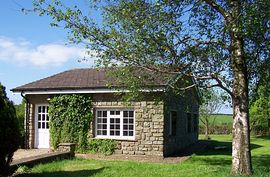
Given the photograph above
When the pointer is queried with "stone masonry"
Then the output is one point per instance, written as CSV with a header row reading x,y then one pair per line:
x,y
149,125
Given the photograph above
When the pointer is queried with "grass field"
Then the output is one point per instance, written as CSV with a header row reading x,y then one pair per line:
x,y
212,163
220,119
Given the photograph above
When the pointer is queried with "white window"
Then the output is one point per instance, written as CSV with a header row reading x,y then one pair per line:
x,y
43,117
115,124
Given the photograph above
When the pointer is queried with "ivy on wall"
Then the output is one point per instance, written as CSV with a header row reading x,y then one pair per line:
x,y
70,117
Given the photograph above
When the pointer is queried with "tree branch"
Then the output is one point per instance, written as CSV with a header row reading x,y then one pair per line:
x,y
218,8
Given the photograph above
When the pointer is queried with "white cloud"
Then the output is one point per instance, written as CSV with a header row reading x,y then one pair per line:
x,y
51,54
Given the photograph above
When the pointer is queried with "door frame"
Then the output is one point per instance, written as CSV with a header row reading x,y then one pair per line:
x,y
36,123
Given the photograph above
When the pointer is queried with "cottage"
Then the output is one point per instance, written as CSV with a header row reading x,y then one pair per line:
x,y
143,127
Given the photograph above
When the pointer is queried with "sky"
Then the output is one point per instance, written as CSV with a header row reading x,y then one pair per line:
x,y
30,49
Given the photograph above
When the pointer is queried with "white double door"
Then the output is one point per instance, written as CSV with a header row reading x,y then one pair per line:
x,y
42,134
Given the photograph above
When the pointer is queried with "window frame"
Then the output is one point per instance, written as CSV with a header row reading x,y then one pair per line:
x,y
108,136
171,124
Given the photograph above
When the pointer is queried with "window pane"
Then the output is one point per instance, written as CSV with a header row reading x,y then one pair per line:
x,y
125,133
104,126
111,112
99,113
117,113
117,133
104,113
39,117
47,125
43,125
104,121
131,113
118,120
118,126
39,125
99,132
111,126
125,113
43,116
39,109
111,120
125,127
104,132
99,126
43,109
111,132
125,120
130,133
130,127
131,121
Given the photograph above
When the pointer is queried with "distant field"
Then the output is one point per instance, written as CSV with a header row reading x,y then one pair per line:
x,y
220,119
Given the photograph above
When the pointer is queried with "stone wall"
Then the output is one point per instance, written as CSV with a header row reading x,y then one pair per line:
x,y
149,123
182,104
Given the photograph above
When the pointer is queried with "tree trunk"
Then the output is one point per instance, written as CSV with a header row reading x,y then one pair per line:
x,y
241,156
206,136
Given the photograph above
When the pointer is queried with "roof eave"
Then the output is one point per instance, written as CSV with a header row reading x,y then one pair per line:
x,y
88,90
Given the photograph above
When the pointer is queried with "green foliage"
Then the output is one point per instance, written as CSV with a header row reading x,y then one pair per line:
x,y
22,170
186,37
9,131
70,117
104,146
20,111
260,110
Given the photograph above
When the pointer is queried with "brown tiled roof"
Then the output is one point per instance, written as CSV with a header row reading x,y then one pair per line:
x,y
90,78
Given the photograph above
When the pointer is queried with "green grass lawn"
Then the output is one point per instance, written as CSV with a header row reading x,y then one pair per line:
x,y
215,163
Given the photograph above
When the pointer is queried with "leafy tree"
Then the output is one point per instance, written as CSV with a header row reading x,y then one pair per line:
x,y
211,103
260,101
260,109
218,43
9,131
20,111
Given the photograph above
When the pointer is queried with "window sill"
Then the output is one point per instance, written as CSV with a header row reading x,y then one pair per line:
x,y
116,138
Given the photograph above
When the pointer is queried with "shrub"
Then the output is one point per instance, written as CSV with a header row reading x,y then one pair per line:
x,y
70,117
104,146
9,131
20,111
